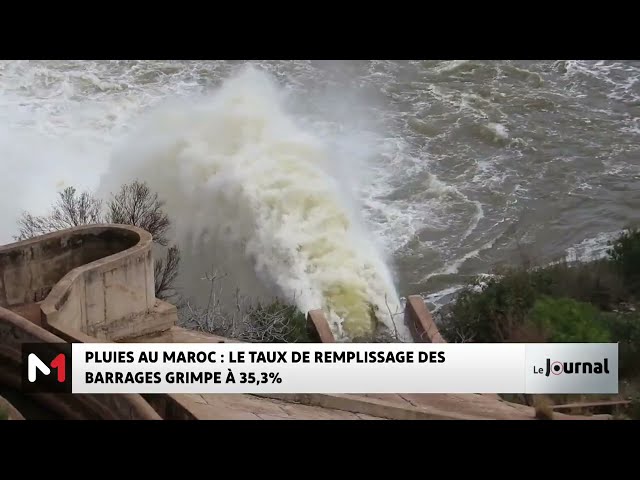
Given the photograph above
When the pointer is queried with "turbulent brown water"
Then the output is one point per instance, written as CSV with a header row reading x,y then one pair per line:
x,y
454,166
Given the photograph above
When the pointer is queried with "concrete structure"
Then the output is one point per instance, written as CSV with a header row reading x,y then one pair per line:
x,y
96,280
420,322
95,283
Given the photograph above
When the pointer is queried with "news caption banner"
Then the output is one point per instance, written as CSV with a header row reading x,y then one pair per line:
x,y
320,368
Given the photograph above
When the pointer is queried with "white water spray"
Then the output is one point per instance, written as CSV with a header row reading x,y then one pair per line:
x,y
248,190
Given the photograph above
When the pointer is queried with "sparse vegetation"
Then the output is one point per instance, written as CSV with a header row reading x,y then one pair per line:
x,y
625,329
625,256
248,320
134,204
497,309
565,320
71,209
254,320
3,414
564,302
165,272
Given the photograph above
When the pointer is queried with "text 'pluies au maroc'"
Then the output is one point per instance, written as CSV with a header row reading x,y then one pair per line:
x,y
266,357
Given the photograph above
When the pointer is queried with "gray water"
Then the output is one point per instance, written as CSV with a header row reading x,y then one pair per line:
x,y
468,163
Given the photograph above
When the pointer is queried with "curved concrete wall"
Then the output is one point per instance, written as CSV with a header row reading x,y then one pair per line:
x,y
91,280
85,284
97,296
32,267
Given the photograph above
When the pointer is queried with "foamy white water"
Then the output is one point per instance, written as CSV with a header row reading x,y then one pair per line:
x,y
57,128
241,177
470,158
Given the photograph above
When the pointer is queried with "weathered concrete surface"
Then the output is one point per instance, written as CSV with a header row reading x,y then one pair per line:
x,y
420,322
103,297
179,335
319,327
423,406
249,407
95,279
386,407
29,269
160,317
30,311
170,407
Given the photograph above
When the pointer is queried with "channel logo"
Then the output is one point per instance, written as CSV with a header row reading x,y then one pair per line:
x,y
572,368
580,368
46,367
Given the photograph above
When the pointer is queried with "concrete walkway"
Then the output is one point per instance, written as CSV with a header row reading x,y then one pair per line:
x,y
249,407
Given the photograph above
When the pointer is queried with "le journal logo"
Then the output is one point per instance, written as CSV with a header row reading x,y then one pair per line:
x,y
559,368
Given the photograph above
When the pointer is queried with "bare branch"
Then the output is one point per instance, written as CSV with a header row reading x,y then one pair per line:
x,y
70,210
245,320
135,205
165,272
463,336
392,315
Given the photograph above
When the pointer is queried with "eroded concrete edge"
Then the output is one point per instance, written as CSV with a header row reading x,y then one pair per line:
x,y
318,327
55,301
420,322
373,407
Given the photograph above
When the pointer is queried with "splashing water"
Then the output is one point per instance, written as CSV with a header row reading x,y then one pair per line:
x,y
245,185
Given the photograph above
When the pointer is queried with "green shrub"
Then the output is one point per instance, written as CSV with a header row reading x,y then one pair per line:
x,y
596,282
3,415
565,320
498,311
277,322
625,255
625,330
564,302
493,314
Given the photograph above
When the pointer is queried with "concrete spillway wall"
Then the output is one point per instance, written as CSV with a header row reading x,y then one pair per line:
x,y
31,268
416,316
95,280
85,284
